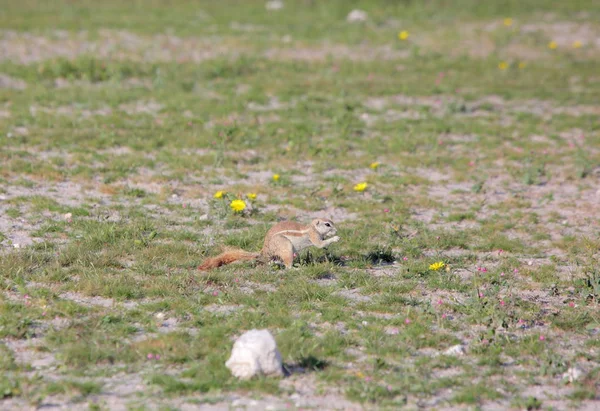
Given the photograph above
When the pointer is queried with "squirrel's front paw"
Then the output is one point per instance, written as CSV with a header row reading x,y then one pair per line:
x,y
335,239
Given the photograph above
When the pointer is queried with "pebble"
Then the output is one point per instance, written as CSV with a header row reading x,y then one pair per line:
x,y
357,16
573,374
456,350
274,5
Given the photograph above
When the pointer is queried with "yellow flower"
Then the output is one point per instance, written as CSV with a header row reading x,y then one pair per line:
x,y
219,194
237,205
275,177
508,22
437,266
251,196
360,187
503,65
374,165
522,65
577,44
552,45
403,35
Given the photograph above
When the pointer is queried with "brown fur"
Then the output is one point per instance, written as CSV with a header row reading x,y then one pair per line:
x,y
227,257
282,242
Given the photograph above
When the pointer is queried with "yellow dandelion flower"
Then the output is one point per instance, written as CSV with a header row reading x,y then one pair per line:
x,y
251,196
374,165
275,177
403,35
219,194
237,205
503,65
360,187
508,22
437,266
522,65
552,45
577,44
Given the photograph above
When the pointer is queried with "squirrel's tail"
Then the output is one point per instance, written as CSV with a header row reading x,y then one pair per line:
x,y
227,257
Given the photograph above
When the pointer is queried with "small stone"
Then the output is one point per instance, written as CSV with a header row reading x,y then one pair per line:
x,y
274,5
573,374
456,350
174,196
159,316
17,245
357,16
392,330
529,262
68,216
203,217
255,353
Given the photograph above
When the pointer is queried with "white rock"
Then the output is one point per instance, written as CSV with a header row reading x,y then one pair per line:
x,y
456,350
68,216
392,330
255,353
17,245
573,374
356,16
203,217
274,5
160,315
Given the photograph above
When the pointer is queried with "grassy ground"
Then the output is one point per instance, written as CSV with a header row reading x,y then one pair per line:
x,y
119,123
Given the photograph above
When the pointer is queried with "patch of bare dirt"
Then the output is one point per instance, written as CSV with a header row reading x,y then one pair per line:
x,y
9,82
565,33
27,48
337,52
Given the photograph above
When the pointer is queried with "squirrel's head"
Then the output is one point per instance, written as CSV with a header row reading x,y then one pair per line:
x,y
324,227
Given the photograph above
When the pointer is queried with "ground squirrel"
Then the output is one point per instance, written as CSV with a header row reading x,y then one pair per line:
x,y
283,242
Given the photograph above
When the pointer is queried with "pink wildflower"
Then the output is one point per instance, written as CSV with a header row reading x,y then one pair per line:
x,y
150,356
407,321
215,293
571,304
542,338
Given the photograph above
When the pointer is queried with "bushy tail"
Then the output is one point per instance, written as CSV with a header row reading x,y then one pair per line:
x,y
227,257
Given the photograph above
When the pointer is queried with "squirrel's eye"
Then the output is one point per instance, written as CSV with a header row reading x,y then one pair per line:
x,y
328,225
